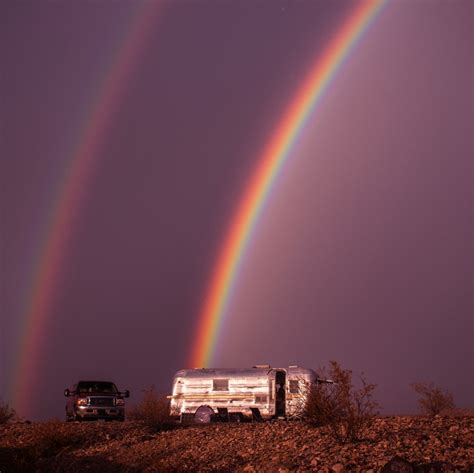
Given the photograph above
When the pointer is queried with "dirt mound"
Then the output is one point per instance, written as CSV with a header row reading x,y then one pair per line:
x,y
416,443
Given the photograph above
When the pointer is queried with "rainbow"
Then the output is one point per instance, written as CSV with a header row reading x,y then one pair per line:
x,y
270,163
69,197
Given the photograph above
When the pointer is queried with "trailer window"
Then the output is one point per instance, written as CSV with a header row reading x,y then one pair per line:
x,y
220,384
294,389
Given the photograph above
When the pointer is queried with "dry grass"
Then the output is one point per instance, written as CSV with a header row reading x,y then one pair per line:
x,y
153,411
433,400
6,413
344,410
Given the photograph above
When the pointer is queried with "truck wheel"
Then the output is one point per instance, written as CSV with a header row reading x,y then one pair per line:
x,y
68,417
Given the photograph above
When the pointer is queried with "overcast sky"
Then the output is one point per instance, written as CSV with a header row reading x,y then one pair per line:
x,y
363,254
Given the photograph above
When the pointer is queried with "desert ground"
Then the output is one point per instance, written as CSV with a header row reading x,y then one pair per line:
x,y
428,444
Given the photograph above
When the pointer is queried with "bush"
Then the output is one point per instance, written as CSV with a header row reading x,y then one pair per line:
x,y
346,411
6,413
432,400
153,411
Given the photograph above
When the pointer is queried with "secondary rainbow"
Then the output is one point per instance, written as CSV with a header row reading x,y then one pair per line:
x,y
270,163
66,206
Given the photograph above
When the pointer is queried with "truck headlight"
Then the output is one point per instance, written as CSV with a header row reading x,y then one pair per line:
x,y
82,401
119,402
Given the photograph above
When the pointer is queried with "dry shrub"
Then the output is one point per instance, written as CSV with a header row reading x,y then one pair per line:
x,y
432,400
153,411
345,410
6,413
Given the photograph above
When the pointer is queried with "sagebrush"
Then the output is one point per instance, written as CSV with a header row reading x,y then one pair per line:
x,y
6,413
346,411
153,410
433,400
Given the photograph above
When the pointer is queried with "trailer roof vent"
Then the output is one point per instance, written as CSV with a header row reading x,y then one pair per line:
x,y
293,366
262,366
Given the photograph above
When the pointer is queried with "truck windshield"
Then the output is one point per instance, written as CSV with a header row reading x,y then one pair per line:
x,y
96,387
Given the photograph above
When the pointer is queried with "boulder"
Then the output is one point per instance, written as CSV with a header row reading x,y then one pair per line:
x,y
435,467
398,465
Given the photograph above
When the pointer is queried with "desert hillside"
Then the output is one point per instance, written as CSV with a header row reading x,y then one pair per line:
x,y
427,444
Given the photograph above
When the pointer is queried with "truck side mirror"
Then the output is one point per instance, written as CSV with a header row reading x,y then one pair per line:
x,y
126,393
67,393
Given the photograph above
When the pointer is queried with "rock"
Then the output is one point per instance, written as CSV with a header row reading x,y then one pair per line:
x,y
435,467
398,465
338,468
314,462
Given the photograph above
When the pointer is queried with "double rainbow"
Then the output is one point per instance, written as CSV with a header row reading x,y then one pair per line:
x,y
270,163
81,164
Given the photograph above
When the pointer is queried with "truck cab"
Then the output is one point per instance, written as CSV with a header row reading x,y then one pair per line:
x,y
94,400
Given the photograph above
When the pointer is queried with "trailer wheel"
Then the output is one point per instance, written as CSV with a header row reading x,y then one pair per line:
x,y
203,415
236,417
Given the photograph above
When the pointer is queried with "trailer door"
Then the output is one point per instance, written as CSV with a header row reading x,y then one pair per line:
x,y
280,393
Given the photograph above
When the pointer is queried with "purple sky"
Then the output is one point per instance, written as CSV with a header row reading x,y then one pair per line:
x,y
364,253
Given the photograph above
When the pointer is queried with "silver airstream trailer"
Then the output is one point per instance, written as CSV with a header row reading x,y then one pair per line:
x,y
261,392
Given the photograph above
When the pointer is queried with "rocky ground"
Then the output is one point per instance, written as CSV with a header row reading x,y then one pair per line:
x,y
425,444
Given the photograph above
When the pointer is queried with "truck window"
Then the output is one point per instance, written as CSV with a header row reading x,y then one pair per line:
x,y
220,384
89,387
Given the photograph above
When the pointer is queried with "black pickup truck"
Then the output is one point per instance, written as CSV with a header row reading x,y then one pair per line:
x,y
93,400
